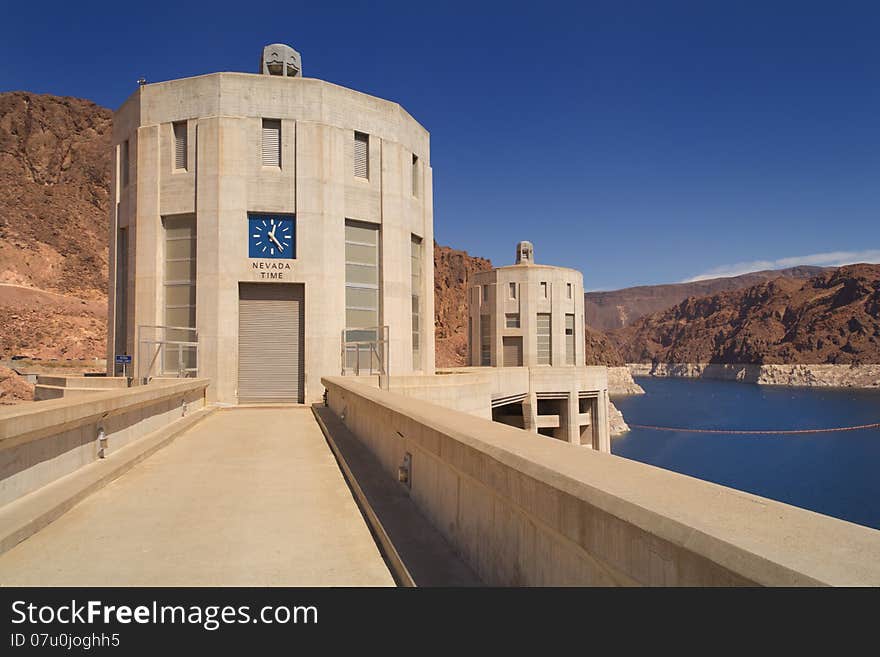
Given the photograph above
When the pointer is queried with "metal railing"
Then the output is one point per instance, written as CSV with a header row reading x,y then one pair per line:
x,y
365,351
167,351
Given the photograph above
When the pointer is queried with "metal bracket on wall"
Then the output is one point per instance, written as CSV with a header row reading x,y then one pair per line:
x,y
404,472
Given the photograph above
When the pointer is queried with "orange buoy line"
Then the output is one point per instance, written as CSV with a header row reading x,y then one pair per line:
x,y
762,432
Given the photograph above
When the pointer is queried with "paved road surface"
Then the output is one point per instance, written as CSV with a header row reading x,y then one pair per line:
x,y
247,497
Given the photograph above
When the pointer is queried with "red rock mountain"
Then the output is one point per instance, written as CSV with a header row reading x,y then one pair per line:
x,y
831,318
600,349
619,308
452,269
54,190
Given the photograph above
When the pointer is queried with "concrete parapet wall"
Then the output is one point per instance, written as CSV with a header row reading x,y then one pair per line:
x,y
58,387
93,382
468,393
40,443
505,381
525,510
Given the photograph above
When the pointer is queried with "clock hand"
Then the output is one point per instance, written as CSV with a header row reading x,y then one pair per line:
x,y
271,236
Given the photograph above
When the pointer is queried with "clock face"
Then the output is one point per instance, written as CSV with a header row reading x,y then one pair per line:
x,y
271,236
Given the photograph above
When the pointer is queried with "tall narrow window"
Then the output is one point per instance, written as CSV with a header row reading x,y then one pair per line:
x,y
271,143
361,155
180,145
361,290
545,356
543,290
485,340
568,290
416,260
120,345
180,291
485,293
124,162
512,289
569,339
415,175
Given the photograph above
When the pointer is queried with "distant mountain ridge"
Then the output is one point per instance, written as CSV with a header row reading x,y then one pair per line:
x,y
833,318
618,308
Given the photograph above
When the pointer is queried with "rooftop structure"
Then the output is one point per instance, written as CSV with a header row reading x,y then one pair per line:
x,y
281,59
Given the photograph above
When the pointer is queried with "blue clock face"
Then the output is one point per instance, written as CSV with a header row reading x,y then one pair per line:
x,y
271,236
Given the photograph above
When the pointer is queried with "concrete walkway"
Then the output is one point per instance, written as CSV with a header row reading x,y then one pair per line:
x,y
248,497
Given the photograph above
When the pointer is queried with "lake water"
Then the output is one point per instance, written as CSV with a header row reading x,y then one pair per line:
x,y
837,474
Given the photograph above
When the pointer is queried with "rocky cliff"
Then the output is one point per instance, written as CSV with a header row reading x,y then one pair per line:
x,y
600,350
13,388
452,270
54,191
620,308
832,318
621,382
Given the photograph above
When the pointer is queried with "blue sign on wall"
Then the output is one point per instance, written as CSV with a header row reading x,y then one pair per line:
x,y
271,236
123,359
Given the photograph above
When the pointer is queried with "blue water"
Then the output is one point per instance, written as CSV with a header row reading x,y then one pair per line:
x,y
837,474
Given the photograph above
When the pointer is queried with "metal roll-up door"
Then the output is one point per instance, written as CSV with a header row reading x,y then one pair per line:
x,y
271,331
512,346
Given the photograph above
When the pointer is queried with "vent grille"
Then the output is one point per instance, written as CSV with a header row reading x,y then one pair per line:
x,y
271,143
180,145
361,155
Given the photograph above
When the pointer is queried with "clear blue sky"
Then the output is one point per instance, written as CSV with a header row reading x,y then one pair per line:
x,y
640,142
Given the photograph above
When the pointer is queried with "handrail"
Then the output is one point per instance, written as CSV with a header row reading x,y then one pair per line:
x,y
154,351
376,351
167,326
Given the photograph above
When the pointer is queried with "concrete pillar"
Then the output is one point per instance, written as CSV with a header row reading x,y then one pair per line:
x,y
113,258
321,170
530,412
146,264
395,255
572,428
221,229
602,422
427,349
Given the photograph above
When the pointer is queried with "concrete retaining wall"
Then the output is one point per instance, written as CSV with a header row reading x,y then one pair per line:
x,y
524,510
40,443
468,393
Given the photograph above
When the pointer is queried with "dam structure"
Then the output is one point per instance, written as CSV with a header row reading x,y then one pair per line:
x,y
272,414
530,317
